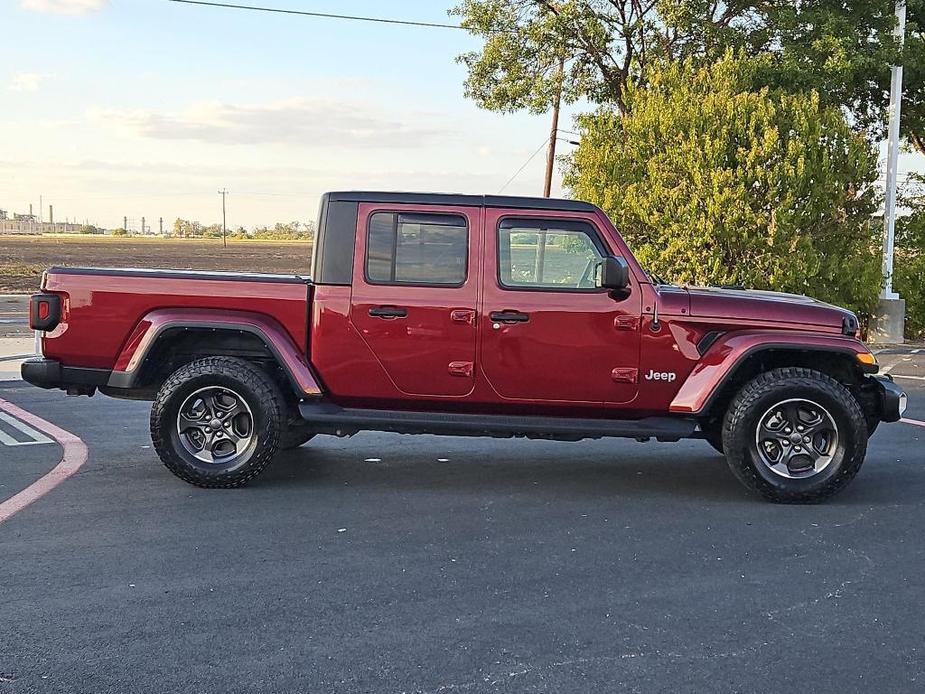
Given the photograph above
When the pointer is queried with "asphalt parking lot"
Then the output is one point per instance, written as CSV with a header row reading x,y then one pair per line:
x,y
385,563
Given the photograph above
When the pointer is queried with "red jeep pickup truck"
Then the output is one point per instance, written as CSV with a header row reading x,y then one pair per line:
x,y
467,315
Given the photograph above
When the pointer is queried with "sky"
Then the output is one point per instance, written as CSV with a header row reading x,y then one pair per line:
x,y
146,108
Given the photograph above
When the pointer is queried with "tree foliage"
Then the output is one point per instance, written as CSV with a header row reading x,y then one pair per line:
x,y
288,231
712,182
909,256
842,50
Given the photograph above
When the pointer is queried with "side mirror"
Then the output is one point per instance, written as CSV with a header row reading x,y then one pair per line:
x,y
615,273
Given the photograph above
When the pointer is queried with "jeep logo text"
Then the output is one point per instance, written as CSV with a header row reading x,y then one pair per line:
x,y
661,376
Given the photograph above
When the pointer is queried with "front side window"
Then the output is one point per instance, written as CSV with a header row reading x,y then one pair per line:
x,y
547,257
429,249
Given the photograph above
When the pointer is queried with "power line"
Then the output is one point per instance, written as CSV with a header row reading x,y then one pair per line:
x,y
539,149
323,15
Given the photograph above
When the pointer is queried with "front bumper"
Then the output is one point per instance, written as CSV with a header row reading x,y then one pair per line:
x,y
892,398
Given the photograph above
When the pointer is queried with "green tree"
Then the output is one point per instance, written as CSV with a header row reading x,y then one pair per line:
x,y
843,50
909,256
185,228
712,182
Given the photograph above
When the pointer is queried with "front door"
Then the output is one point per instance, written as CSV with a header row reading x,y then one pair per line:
x,y
549,333
415,291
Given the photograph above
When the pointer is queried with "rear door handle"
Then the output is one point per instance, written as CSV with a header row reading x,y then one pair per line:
x,y
508,317
388,312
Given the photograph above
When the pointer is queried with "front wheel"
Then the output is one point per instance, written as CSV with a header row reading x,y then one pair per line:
x,y
216,422
795,435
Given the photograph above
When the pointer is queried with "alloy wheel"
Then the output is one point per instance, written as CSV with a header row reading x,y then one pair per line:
x,y
216,426
796,438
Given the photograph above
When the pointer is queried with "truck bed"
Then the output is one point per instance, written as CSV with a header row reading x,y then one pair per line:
x,y
102,306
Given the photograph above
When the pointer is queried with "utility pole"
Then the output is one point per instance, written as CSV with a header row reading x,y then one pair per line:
x,y
553,133
890,317
125,224
142,226
223,193
160,225
51,215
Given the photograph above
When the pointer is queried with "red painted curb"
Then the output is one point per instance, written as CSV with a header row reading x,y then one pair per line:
x,y
75,455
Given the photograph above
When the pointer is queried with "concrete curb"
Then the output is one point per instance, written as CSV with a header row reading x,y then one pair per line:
x,y
17,357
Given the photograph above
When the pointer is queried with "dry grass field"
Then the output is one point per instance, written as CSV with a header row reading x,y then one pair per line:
x,y
24,258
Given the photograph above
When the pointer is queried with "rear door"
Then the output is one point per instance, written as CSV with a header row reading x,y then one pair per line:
x,y
415,292
549,333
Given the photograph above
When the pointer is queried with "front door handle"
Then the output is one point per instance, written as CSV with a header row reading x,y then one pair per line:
x,y
388,312
508,317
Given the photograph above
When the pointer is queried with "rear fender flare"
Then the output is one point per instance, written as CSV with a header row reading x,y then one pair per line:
x,y
150,328
731,351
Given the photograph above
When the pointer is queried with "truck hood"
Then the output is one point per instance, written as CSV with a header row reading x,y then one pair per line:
x,y
773,307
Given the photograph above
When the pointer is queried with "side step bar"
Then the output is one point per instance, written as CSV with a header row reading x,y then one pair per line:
x,y
328,418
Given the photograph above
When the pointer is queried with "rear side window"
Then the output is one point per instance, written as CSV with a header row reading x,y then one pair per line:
x,y
429,249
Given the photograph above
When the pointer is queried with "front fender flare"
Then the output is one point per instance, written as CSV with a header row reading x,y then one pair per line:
x,y
156,323
730,351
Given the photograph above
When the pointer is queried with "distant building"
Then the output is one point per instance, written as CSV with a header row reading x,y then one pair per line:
x,y
18,226
30,224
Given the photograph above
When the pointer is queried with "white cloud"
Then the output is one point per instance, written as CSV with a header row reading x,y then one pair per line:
x,y
25,82
297,121
72,7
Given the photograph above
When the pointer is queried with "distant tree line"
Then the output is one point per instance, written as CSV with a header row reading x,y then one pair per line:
x,y
281,231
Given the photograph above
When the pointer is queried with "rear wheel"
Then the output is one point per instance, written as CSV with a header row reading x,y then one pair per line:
x,y
216,422
295,435
795,435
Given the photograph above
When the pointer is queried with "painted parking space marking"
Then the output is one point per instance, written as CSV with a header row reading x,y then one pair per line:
x,y
33,437
906,420
911,378
75,455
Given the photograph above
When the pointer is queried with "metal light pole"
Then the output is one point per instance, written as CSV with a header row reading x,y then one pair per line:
x,y
889,321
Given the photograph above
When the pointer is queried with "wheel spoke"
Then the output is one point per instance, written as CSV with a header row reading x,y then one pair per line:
x,y
186,422
233,412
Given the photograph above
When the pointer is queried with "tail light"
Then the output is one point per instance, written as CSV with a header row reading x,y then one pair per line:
x,y
44,311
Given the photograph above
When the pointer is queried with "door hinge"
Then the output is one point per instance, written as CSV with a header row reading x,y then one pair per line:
x,y
624,374
460,368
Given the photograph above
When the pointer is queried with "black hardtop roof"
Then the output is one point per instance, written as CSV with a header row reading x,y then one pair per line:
x,y
458,199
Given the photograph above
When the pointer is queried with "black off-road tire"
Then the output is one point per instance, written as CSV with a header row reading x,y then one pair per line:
x,y
295,435
764,392
714,437
253,385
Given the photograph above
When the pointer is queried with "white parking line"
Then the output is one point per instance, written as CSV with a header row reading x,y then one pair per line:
x,y
35,437
906,420
75,455
914,378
